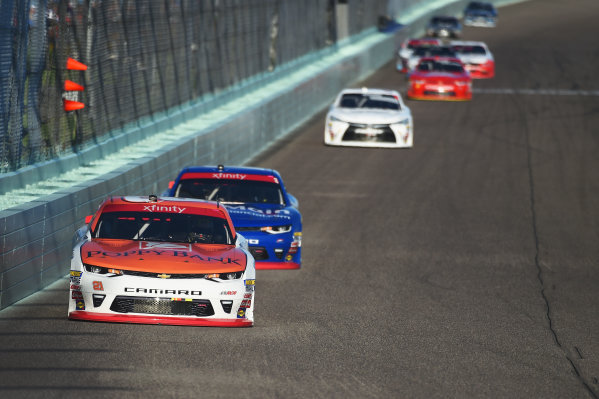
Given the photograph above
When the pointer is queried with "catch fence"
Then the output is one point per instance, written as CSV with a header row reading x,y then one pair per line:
x,y
144,57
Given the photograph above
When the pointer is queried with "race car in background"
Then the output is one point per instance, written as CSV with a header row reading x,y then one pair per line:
x,y
481,14
158,260
476,57
369,118
444,27
407,49
428,51
259,205
440,78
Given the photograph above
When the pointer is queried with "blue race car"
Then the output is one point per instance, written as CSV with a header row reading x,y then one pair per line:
x,y
480,14
259,205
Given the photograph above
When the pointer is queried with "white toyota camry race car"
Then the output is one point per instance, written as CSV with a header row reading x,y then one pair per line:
x,y
161,260
369,118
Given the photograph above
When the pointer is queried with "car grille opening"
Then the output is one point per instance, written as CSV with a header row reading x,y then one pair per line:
x,y
439,93
165,306
386,136
161,275
259,253
255,228
227,306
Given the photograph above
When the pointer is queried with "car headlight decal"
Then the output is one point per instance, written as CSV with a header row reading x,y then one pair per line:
x,y
333,118
224,276
110,272
277,229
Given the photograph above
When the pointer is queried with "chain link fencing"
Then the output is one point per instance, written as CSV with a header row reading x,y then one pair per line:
x,y
144,57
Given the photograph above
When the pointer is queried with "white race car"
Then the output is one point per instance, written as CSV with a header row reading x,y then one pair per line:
x,y
407,49
161,260
369,118
476,57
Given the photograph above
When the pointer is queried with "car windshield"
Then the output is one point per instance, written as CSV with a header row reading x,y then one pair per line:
x,y
231,191
168,227
440,66
434,51
416,45
461,49
444,21
376,101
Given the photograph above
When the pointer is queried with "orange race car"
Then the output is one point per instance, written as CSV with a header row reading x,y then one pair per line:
x,y
161,260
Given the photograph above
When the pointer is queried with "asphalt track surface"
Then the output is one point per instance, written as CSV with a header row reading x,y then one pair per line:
x,y
464,267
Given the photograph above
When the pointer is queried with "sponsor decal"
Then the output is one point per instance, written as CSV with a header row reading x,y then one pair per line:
x,y
230,176
77,295
250,285
246,303
183,253
241,313
181,299
163,275
253,242
288,258
157,291
228,293
75,277
247,295
439,88
237,176
75,287
252,211
164,208
80,305
98,286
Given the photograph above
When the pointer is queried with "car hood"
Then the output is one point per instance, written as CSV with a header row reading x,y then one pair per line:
x,y
258,215
368,116
438,76
163,257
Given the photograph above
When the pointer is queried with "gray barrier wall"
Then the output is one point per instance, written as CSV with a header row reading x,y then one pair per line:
x,y
36,236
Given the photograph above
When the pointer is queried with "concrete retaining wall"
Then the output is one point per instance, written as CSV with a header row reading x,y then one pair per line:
x,y
35,237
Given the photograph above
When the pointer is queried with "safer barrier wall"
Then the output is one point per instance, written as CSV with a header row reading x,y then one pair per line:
x,y
36,236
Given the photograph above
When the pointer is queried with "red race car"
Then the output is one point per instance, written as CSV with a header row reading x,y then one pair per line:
x,y
440,78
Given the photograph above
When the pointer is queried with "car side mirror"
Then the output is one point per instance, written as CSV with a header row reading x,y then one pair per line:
x,y
88,219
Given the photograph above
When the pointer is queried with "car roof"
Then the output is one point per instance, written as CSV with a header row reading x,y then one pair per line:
x,y
230,169
366,90
467,43
136,200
